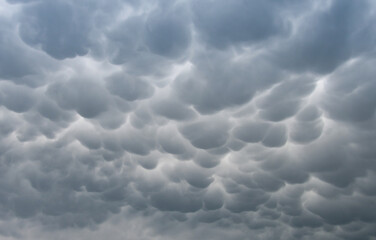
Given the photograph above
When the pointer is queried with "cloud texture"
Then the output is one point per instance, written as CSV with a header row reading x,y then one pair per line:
x,y
187,119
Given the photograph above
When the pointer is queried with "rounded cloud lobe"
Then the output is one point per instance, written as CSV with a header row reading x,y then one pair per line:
x,y
198,119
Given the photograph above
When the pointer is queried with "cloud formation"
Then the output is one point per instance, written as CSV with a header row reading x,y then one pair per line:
x,y
187,119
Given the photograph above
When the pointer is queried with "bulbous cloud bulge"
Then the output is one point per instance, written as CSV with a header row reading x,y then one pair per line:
x,y
187,119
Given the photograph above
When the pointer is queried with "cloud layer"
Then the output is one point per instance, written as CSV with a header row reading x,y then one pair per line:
x,y
187,119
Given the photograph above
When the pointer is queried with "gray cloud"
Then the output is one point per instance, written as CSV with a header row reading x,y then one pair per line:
x,y
167,32
328,37
206,134
128,88
60,28
223,23
208,119
86,97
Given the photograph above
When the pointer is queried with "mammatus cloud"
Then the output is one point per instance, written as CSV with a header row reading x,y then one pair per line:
x,y
187,119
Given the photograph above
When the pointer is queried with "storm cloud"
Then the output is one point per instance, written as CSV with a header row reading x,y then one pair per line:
x,y
187,119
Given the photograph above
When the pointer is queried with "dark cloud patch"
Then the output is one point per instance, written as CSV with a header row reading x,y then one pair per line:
x,y
213,199
49,109
327,38
206,134
251,132
275,136
84,96
307,219
206,159
212,73
14,63
224,23
291,174
129,88
136,43
197,119
8,125
367,184
342,211
173,199
308,113
17,98
350,93
89,139
173,109
20,1
137,142
56,190
171,142
167,32
148,162
60,28
305,132
197,176
123,43
284,100
267,182
330,157
246,200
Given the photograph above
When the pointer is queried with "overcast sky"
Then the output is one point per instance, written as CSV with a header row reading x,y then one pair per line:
x,y
187,119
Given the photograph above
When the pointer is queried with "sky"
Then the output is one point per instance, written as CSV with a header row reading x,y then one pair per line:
x,y
187,119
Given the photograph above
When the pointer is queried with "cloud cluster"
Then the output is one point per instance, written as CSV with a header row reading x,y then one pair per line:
x,y
187,119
